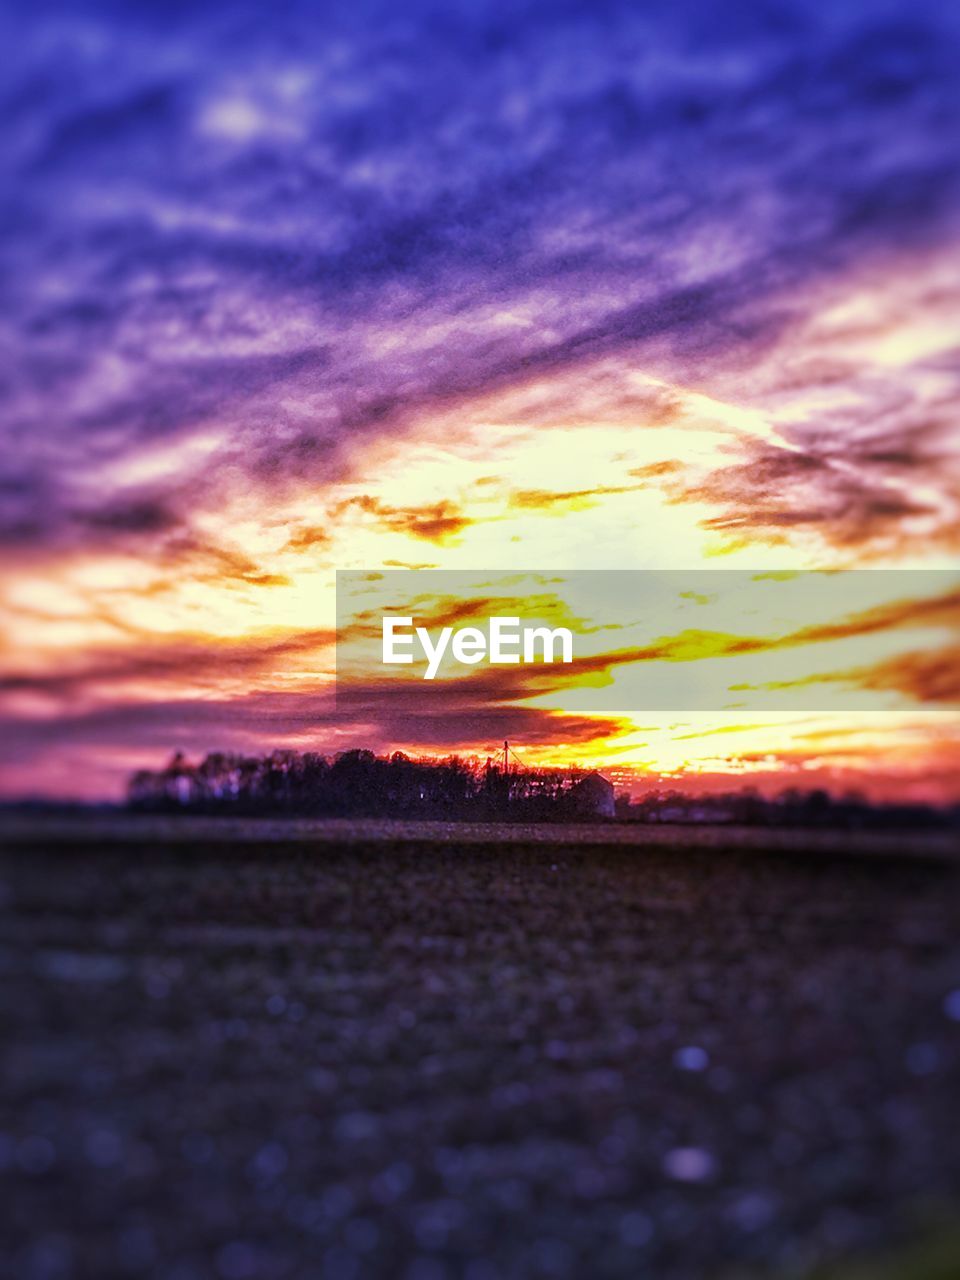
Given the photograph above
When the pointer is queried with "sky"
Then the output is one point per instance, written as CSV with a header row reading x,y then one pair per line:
x,y
564,286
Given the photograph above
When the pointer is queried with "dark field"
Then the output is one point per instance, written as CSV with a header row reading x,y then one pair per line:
x,y
425,1061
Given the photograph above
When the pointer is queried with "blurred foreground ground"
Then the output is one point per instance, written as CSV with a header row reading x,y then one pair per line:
x,y
424,1061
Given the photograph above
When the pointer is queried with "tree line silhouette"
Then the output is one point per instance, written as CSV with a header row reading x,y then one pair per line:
x,y
360,783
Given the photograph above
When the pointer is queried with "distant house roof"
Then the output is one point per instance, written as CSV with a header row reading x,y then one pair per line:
x,y
594,782
594,793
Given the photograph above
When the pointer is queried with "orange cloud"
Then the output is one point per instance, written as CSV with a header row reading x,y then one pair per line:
x,y
541,499
922,676
307,537
434,522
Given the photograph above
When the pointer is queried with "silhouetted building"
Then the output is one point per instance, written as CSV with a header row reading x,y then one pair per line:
x,y
592,797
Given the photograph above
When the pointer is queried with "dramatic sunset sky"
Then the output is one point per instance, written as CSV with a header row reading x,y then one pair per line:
x,y
297,288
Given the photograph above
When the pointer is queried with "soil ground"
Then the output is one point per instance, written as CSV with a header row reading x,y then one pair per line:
x,y
424,1059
